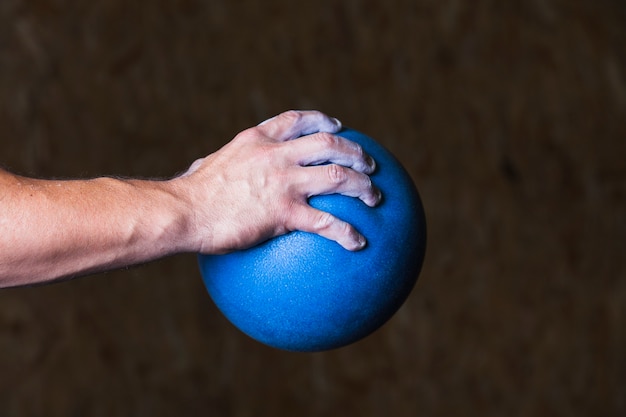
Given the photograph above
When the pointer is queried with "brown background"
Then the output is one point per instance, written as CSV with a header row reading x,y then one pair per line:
x,y
509,115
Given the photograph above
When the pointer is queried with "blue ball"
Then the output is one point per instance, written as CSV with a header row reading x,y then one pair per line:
x,y
302,292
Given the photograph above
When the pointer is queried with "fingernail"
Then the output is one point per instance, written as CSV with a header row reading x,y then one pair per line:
x,y
371,163
379,196
360,243
376,198
337,122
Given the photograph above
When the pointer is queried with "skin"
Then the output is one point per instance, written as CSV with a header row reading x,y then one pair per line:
x,y
256,187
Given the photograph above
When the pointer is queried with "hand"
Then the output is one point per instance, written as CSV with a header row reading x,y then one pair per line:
x,y
256,187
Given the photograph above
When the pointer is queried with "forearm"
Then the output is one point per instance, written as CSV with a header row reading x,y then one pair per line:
x,y
57,229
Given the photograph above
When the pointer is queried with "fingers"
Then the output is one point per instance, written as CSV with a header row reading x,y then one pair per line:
x,y
307,219
318,145
319,162
324,164
324,148
293,124
336,179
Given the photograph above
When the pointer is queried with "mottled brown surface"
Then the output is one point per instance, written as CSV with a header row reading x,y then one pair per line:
x,y
509,115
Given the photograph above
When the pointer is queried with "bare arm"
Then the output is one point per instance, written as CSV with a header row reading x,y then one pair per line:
x,y
56,229
254,188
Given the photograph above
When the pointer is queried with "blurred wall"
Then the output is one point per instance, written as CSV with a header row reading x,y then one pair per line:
x,y
509,115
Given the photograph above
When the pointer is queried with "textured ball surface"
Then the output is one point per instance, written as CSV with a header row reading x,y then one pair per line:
x,y
302,292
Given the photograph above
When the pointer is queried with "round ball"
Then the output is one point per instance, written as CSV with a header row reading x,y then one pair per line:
x,y
302,292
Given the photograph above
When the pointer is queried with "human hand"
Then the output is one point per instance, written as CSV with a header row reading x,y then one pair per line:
x,y
256,187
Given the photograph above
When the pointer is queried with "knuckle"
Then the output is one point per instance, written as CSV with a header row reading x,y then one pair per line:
x,y
349,236
346,229
336,174
293,117
367,183
323,221
195,166
358,149
328,140
249,135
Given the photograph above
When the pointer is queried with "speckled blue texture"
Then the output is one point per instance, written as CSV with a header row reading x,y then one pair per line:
x,y
301,292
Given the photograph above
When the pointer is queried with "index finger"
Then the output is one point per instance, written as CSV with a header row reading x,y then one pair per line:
x,y
293,124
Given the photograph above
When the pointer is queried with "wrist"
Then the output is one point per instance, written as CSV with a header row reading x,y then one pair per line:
x,y
178,217
163,217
